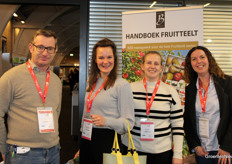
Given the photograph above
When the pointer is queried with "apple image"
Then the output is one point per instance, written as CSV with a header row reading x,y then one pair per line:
x,y
138,72
125,75
183,64
133,60
177,76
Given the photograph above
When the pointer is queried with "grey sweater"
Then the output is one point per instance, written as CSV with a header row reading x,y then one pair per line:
x,y
19,98
114,104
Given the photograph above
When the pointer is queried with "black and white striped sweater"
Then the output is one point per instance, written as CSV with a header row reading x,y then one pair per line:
x,y
166,113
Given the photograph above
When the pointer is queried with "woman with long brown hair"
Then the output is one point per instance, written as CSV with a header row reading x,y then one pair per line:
x,y
108,103
208,109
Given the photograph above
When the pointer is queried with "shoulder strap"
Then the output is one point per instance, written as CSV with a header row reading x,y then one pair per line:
x,y
130,141
116,149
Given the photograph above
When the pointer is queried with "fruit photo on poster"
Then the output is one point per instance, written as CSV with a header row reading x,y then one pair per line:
x,y
131,64
173,68
173,73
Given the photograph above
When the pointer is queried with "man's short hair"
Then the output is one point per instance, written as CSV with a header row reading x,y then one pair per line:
x,y
46,33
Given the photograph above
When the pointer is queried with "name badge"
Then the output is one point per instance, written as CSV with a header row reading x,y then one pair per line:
x,y
22,150
147,131
87,129
204,127
45,119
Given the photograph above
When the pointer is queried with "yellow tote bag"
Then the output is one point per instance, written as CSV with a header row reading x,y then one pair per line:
x,y
115,157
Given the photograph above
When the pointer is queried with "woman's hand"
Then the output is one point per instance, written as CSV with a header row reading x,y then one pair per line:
x,y
98,120
177,161
77,154
200,151
224,155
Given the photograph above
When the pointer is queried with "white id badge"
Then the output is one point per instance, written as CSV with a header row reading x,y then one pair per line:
x,y
22,150
87,129
204,127
147,131
45,119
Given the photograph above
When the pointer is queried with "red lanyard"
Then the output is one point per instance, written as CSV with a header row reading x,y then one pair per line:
x,y
149,103
43,96
89,102
203,101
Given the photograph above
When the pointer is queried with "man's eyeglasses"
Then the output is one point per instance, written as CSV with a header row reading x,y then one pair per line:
x,y
39,48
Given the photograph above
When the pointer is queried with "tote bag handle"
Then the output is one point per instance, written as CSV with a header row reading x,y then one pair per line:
x,y
130,142
116,149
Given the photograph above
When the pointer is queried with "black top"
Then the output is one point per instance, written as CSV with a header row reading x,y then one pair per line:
x,y
224,132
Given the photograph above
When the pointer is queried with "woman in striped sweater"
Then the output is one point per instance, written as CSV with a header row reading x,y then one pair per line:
x,y
158,115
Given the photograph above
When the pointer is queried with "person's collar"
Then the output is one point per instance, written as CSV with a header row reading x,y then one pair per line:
x,y
34,67
151,83
210,82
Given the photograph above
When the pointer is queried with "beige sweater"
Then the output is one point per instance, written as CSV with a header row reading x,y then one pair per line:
x,y
19,98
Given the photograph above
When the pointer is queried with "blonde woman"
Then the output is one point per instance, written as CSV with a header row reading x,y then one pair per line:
x,y
158,115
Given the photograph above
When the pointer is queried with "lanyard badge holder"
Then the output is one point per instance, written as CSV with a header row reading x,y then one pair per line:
x,y
45,114
87,121
147,127
203,120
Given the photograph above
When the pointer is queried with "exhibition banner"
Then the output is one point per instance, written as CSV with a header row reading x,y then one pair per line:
x,y
182,24
172,32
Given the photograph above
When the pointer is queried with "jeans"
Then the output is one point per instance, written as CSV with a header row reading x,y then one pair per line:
x,y
34,156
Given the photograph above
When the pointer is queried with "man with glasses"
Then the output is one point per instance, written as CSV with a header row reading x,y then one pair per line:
x,y
30,94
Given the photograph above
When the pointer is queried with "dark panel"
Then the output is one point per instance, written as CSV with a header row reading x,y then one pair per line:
x,y
75,127
84,37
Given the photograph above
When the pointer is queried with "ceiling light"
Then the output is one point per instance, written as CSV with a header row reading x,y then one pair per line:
x,y
152,4
15,15
22,22
71,55
209,40
207,4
